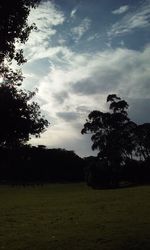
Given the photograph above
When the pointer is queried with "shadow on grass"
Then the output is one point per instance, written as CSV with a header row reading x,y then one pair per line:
x,y
119,186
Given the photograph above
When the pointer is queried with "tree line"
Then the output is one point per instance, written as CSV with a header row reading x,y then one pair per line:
x,y
39,165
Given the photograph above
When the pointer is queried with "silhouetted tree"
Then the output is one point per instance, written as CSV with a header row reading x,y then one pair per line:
x,y
97,173
112,134
14,27
142,141
20,117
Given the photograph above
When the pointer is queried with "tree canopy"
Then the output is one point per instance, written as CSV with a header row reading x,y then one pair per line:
x,y
14,27
142,141
111,131
20,117
120,143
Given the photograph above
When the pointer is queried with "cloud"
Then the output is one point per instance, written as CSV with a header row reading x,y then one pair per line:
x,y
73,12
85,80
93,37
58,135
81,29
136,19
46,15
122,70
64,135
121,10
61,96
47,18
75,77
139,109
42,52
68,116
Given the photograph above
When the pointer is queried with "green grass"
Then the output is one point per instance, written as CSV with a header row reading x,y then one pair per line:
x,y
73,216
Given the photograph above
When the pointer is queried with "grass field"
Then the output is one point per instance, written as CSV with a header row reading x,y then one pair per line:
x,y
73,216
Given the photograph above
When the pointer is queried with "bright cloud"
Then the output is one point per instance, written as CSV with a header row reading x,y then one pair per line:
x,y
137,19
121,10
73,12
47,17
86,76
80,30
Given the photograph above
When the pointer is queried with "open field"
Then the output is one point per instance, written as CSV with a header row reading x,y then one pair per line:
x,y
73,216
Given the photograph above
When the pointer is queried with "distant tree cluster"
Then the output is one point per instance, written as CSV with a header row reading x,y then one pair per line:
x,y
120,143
39,165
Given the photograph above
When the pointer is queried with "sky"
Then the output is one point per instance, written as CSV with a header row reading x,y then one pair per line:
x,y
81,52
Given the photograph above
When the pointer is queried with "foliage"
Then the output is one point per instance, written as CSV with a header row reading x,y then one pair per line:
x,y
14,27
97,174
112,132
121,143
28,164
20,117
142,138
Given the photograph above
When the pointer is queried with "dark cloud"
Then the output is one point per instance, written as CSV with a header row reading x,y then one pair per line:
x,y
103,83
68,116
82,109
139,110
61,96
